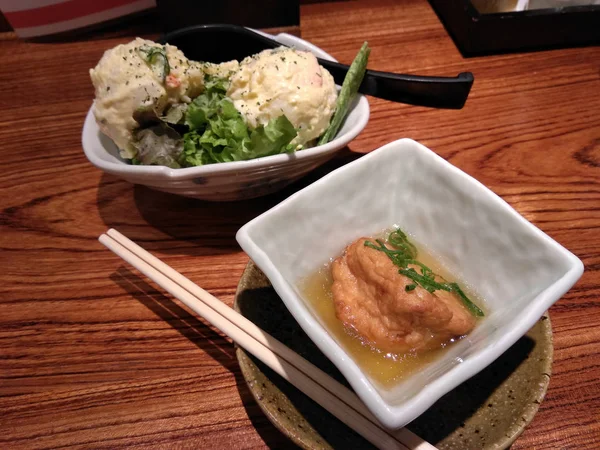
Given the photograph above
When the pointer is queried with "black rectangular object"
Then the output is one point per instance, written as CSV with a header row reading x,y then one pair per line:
x,y
475,33
175,14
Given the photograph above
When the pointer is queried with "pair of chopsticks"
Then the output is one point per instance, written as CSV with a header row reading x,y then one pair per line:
x,y
312,381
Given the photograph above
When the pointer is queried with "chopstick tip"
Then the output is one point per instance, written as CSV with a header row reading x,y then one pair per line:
x,y
102,238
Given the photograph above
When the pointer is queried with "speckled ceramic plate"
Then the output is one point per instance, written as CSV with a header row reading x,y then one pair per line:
x,y
489,411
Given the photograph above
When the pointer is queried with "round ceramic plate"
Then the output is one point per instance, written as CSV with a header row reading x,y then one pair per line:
x,y
489,411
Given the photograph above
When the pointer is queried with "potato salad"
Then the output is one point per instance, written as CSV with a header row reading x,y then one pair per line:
x,y
161,108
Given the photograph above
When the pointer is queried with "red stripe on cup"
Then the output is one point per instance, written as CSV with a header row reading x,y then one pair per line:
x,y
59,12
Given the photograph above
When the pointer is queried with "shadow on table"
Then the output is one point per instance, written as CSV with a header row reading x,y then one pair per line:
x,y
447,415
186,323
206,339
198,227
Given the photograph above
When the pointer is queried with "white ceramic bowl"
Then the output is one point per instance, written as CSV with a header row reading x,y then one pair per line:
x,y
227,181
519,270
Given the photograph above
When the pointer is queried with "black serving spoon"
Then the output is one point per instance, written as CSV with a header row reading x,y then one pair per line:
x,y
220,43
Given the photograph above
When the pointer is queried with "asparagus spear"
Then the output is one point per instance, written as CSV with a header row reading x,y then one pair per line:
x,y
349,90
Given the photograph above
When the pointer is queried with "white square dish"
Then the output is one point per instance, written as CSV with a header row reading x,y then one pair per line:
x,y
515,267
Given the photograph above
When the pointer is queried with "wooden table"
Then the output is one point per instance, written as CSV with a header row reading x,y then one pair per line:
x,y
93,356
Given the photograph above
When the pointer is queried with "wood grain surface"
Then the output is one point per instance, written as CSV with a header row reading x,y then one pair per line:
x,y
91,355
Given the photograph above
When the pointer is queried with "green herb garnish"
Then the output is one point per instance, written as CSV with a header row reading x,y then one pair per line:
x,y
404,253
352,82
154,56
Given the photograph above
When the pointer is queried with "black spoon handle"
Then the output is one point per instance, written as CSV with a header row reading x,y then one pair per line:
x,y
236,42
435,92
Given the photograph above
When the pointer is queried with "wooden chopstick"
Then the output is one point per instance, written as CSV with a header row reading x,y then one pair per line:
x,y
315,383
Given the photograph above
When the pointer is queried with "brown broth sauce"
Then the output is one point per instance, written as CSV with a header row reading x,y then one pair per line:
x,y
384,368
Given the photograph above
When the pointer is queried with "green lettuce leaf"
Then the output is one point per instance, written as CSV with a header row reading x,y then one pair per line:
x,y
273,138
158,145
218,132
175,115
